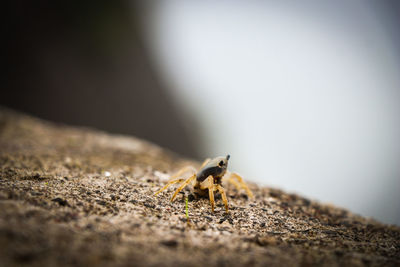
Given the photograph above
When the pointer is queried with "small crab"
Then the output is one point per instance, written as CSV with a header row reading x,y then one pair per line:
x,y
209,177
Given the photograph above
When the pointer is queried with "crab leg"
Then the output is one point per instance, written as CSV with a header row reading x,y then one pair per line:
x,y
191,178
204,163
182,171
179,173
239,183
209,184
168,184
223,195
234,182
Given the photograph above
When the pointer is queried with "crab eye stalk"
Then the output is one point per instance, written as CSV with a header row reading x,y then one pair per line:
x,y
221,163
228,157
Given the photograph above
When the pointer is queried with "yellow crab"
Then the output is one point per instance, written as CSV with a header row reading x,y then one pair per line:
x,y
209,177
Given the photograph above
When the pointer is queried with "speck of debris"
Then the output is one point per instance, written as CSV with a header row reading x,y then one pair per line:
x,y
60,201
148,205
191,197
101,202
170,243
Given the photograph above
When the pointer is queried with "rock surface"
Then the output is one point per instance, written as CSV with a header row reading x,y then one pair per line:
x,y
72,196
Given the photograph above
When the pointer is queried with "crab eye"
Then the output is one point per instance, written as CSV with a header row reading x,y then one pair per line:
x,y
221,163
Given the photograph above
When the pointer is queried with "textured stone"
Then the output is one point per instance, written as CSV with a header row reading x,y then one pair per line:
x,y
76,196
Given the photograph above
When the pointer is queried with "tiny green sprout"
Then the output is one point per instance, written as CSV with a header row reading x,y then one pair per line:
x,y
46,183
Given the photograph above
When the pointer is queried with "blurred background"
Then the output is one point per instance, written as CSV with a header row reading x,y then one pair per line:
x,y
304,96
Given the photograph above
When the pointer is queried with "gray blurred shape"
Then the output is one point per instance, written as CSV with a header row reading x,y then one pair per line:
x,y
83,63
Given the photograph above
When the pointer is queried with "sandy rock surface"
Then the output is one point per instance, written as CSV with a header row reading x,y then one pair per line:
x,y
75,196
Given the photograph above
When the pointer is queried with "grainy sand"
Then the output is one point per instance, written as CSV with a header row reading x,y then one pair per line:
x,y
74,196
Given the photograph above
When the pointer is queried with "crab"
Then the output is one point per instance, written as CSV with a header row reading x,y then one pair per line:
x,y
208,178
